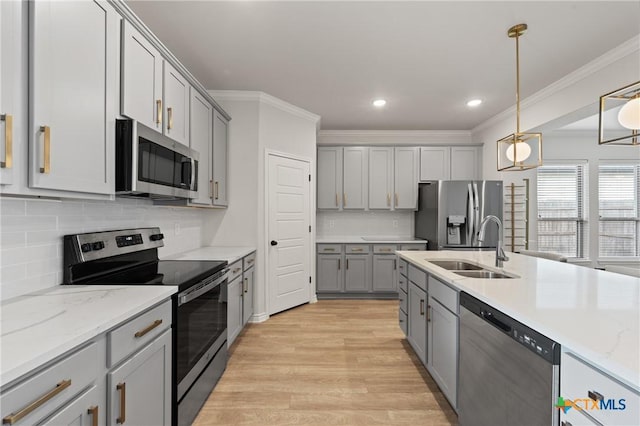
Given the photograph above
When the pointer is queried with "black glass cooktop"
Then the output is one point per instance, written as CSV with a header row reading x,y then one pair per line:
x,y
181,273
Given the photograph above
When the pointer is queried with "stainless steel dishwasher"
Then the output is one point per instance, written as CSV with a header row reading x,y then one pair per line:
x,y
509,374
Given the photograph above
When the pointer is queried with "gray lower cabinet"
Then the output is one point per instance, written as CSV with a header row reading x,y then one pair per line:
x,y
240,292
140,388
417,328
357,274
84,410
442,330
329,273
384,273
247,295
234,309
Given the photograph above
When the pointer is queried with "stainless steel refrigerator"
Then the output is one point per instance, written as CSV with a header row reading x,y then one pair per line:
x,y
450,211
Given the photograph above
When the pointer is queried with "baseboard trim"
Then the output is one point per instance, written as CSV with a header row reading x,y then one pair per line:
x,y
262,317
364,296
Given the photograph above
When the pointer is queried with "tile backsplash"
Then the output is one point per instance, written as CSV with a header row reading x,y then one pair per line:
x,y
31,233
363,223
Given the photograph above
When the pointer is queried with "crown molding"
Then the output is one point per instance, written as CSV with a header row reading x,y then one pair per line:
x,y
601,62
394,137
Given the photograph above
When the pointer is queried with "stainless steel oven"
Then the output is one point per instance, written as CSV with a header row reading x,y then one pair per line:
x,y
149,164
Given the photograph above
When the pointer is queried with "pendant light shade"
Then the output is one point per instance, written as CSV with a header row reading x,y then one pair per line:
x,y
620,116
519,150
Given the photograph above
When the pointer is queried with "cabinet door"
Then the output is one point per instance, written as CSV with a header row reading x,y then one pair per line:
x,y
417,328
247,295
384,273
201,139
354,174
443,348
329,273
85,410
10,86
329,178
406,178
434,163
380,178
139,391
220,141
176,105
465,162
357,274
141,79
234,310
73,95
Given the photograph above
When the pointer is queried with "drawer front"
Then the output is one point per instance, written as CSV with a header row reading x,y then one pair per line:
x,y
385,248
418,277
61,381
330,248
357,249
402,267
249,260
403,283
402,296
402,320
235,270
581,381
136,333
443,294
413,247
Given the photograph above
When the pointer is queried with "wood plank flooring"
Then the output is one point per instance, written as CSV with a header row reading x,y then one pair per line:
x,y
335,362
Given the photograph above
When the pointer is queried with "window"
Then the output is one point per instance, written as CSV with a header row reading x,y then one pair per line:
x,y
562,207
619,210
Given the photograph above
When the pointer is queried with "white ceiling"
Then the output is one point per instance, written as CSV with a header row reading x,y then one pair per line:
x,y
425,58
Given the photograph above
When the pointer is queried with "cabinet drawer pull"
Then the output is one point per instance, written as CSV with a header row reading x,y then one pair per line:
x,y
93,411
15,417
385,249
122,388
328,249
8,141
235,270
246,285
216,190
250,261
565,423
148,328
47,149
169,118
356,249
421,307
159,111
596,396
211,189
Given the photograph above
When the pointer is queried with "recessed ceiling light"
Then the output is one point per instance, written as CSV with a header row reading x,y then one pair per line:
x,y
379,103
474,102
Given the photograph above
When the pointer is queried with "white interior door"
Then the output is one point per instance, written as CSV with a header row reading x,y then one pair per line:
x,y
289,220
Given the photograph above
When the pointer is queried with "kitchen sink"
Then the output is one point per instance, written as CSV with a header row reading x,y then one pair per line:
x,y
456,265
483,273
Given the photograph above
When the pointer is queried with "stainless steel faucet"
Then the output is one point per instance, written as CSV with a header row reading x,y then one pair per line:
x,y
500,255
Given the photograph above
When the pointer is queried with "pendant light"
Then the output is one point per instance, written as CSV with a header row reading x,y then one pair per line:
x,y
519,150
626,101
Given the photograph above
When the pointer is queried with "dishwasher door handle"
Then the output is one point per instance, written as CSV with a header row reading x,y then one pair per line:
x,y
488,316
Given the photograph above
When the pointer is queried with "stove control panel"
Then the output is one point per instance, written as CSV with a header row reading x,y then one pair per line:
x,y
129,240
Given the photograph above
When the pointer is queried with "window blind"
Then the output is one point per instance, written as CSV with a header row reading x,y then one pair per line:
x,y
619,210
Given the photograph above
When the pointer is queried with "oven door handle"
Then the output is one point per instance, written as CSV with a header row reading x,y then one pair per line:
x,y
188,296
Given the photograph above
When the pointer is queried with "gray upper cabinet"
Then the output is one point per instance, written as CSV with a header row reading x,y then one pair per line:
x,y
220,141
141,79
201,139
10,86
329,178
329,273
73,95
380,178
406,178
435,163
384,273
176,105
465,162
357,275
355,173
417,327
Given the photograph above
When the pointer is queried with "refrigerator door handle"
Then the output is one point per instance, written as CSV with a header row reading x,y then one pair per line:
x,y
476,207
470,216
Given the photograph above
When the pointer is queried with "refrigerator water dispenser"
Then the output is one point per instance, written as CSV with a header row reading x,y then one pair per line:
x,y
454,223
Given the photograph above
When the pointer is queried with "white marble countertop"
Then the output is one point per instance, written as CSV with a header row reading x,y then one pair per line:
x,y
38,327
228,253
594,314
375,239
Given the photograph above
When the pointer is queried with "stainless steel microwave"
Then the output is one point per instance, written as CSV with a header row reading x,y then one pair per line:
x,y
151,165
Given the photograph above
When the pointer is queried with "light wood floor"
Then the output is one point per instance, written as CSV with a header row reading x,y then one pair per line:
x,y
336,362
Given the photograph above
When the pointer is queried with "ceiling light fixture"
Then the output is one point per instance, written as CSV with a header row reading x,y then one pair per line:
x,y
379,103
474,102
519,150
628,116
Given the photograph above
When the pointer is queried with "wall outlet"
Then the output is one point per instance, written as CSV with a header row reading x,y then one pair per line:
x,y
395,223
176,229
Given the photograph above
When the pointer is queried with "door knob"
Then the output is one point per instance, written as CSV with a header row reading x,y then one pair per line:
x,y
274,243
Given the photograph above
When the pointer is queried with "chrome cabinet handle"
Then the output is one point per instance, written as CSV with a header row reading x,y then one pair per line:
x,y
159,111
170,118
8,141
122,388
93,412
13,418
47,149
148,328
